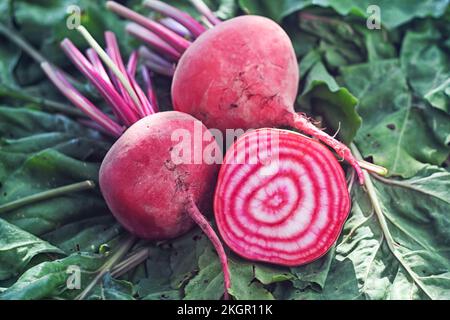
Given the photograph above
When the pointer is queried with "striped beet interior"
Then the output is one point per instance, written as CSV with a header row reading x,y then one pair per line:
x,y
287,212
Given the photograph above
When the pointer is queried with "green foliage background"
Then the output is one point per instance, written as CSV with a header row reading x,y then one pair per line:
x,y
387,91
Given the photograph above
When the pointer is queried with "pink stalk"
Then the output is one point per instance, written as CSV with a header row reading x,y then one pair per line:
x,y
204,10
80,101
154,57
183,18
153,40
148,108
149,87
132,63
201,221
177,42
106,90
97,64
176,27
112,48
155,63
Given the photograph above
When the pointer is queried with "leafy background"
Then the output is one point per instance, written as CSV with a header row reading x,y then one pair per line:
x,y
387,91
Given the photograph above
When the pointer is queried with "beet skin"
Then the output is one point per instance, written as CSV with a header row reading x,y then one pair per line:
x,y
145,190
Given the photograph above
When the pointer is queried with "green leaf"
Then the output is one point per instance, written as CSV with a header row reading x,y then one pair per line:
x,y
275,10
17,248
156,285
39,152
112,289
208,283
268,274
427,65
9,56
314,274
399,134
416,211
49,279
341,284
323,96
244,286
393,13
364,267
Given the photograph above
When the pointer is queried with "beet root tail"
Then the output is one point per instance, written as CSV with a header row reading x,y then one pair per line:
x,y
300,122
200,219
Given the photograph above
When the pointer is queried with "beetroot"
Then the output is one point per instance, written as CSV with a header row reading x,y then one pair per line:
x,y
281,197
144,189
243,74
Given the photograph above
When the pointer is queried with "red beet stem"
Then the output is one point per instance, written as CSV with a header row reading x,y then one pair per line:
x,y
200,219
112,48
107,91
181,17
149,87
81,102
152,40
176,27
156,63
97,64
179,43
301,123
204,10
132,64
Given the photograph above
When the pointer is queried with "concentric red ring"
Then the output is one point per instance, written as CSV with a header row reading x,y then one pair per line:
x,y
290,217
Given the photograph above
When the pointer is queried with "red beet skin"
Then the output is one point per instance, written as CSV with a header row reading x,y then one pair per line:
x,y
243,73
288,218
144,189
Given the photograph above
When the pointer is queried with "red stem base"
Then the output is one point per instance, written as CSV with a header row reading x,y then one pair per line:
x,y
200,219
302,123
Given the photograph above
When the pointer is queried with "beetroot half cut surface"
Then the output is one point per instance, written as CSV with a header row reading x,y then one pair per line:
x,y
281,197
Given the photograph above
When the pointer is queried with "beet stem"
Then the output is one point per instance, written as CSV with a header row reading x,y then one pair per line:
x,y
301,123
382,171
49,194
179,43
132,63
80,101
155,63
105,87
181,17
176,27
204,10
149,87
130,262
390,241
201,221
110,63
143,108
152,40
98,67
